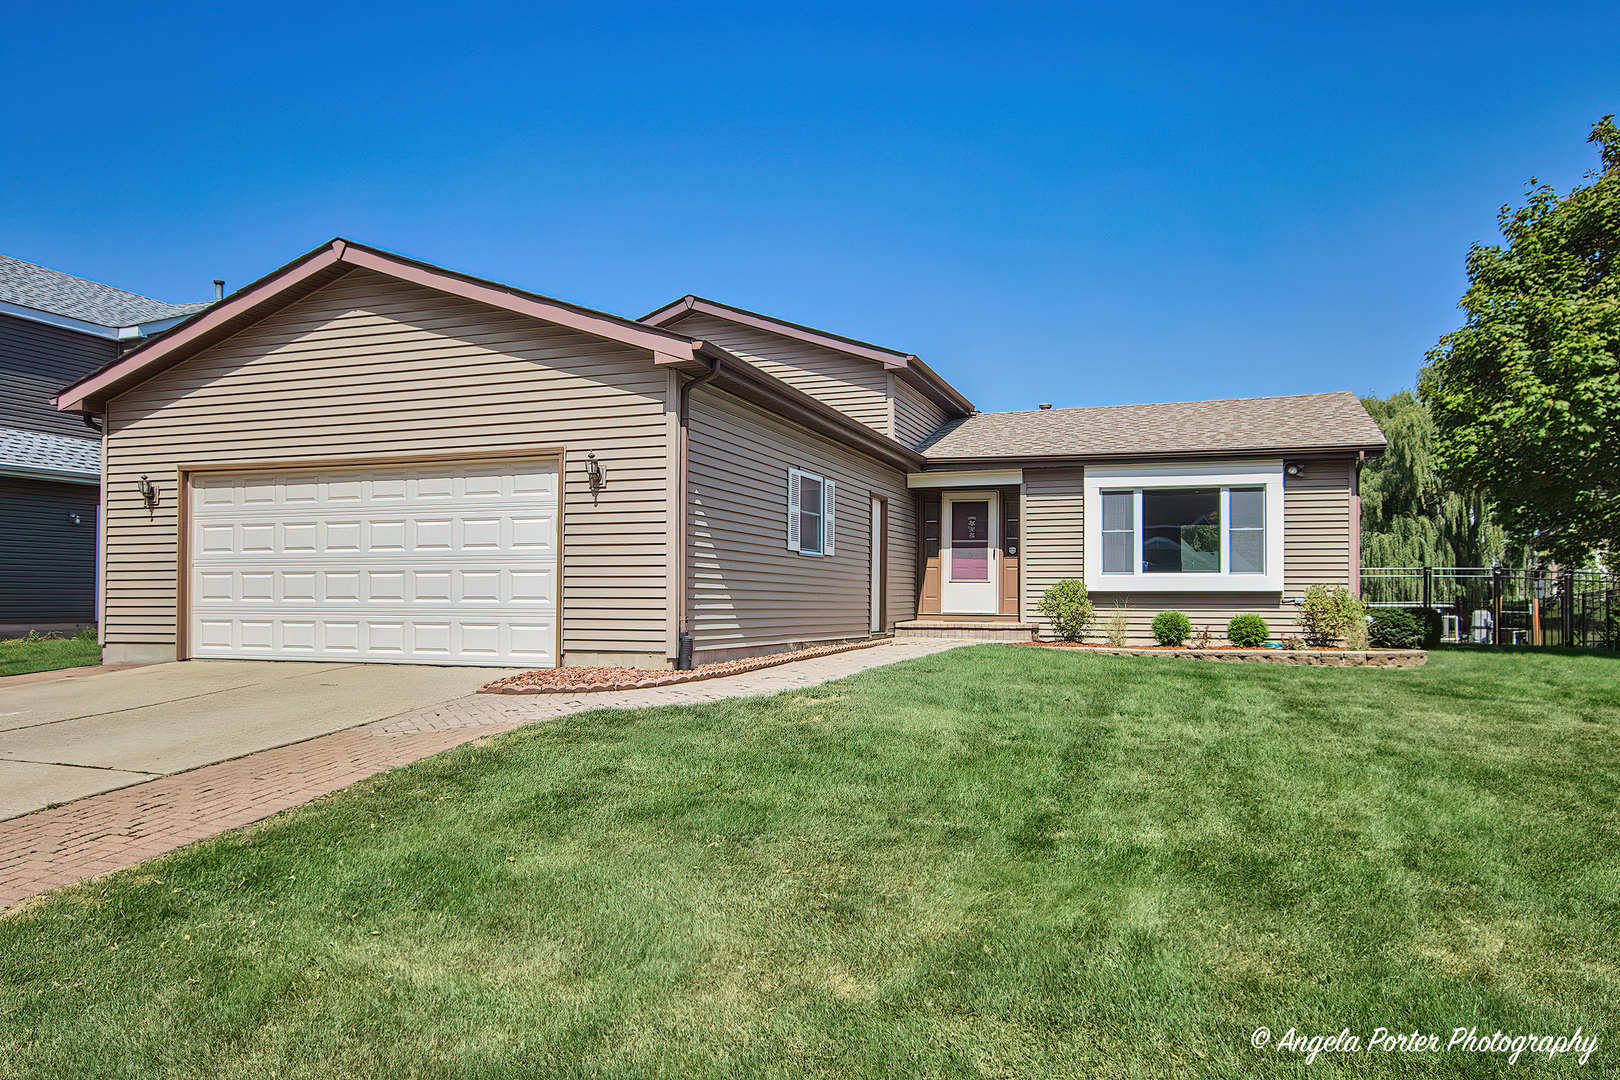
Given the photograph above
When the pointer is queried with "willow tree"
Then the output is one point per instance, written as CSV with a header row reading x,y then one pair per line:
x,y
1409,517
1526,395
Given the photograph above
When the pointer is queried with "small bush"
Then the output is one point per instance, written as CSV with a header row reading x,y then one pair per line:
x,y
1247,631
86,634
1171,628
1331,615
1393,628
1068,607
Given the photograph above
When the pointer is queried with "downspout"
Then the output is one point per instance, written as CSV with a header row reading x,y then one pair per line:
x,y
684,660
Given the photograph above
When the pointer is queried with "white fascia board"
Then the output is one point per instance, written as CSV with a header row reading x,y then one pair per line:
x,y
53,319
51,475
978,478
1267,474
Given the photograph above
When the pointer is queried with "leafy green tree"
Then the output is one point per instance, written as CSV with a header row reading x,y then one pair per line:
x,y
1408,515
1526,395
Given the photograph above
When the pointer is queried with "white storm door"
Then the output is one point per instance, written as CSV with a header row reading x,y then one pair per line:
x,y
970,560
428,564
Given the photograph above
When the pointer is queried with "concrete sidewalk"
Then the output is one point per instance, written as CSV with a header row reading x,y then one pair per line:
x,y
92,836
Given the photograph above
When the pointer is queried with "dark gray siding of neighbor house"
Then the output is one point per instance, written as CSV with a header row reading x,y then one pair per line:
x,y
47,558
37,360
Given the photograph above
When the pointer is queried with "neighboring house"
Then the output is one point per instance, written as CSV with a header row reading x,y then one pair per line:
x,y
365,458
55,328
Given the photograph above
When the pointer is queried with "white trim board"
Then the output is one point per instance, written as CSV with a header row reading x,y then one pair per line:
x,y
978,478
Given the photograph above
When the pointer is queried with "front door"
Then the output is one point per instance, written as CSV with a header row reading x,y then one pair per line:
x,y
969,559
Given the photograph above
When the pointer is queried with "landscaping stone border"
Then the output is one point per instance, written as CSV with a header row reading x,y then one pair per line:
x,y
639,678
1312,657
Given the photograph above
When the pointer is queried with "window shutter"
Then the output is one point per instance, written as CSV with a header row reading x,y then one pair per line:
x,y
829,499
793,510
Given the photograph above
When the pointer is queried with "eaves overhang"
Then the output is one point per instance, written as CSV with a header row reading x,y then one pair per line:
x,y
1059,461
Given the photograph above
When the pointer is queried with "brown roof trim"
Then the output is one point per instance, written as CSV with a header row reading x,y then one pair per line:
x,y
739,378
319,268
906,366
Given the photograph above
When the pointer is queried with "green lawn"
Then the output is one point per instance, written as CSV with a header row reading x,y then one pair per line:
x,y
993,862
20,656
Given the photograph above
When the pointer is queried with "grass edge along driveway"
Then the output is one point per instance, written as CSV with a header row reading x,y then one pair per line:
x,y
994,861
21,656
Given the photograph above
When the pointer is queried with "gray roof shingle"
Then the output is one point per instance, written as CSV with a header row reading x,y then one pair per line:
x,y
42,289
1305,422
36,452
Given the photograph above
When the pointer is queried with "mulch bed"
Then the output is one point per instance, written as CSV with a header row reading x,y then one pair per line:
x,y
590,680
1171,648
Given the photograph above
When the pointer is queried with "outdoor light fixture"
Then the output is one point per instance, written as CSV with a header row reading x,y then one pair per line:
x,y
1294,469
596,475
149,493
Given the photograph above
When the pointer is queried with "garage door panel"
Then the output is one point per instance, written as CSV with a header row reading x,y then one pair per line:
x,y
436,564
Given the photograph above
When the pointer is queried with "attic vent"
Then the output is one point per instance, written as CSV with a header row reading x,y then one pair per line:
x,y
1046,404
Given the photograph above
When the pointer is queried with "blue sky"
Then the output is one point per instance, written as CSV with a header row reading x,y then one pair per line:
x,y
1059,203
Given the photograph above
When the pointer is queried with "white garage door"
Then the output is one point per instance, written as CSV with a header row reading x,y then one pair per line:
x,y
452,564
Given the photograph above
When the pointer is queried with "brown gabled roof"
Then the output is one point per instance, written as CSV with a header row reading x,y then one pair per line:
x,y
320,268
1244,426
906,366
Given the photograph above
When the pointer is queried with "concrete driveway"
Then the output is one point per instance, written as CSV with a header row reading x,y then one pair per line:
x,y
95,731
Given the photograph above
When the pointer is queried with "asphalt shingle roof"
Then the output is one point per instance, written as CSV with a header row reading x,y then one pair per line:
x,y
42,289
34,451
1305,422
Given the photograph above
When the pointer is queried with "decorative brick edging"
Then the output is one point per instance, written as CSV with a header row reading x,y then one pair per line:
x,y
1312,657
697,674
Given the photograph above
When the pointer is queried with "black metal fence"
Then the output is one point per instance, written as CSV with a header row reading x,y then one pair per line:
x,y
1492,605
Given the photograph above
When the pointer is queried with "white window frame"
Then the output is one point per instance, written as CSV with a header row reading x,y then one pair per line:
x,y
828,508
1224,475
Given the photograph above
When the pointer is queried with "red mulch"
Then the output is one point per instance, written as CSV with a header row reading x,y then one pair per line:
x,y
590,680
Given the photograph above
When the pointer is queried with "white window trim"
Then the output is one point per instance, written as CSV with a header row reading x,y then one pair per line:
x,y
1226,475
829,508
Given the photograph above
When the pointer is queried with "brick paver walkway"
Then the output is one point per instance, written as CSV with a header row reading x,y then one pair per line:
x,y
92,836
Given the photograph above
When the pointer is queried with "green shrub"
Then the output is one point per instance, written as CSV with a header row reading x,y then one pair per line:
x,y
1393,628
1171,628
88,633
1068,607
1247,631
1331,615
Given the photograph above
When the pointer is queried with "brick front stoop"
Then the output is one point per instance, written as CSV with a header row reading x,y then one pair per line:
x,y
96,835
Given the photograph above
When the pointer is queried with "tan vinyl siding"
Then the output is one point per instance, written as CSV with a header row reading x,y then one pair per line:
x,y
370,368
855,387
1316,548
1054,532
748,591
915,416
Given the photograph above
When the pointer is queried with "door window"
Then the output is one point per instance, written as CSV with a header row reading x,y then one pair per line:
x,y
970,541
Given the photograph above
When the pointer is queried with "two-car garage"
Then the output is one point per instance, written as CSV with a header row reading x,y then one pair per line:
x,y
438,563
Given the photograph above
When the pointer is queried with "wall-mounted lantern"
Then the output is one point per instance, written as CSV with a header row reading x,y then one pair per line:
x,y
596,474
149,494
